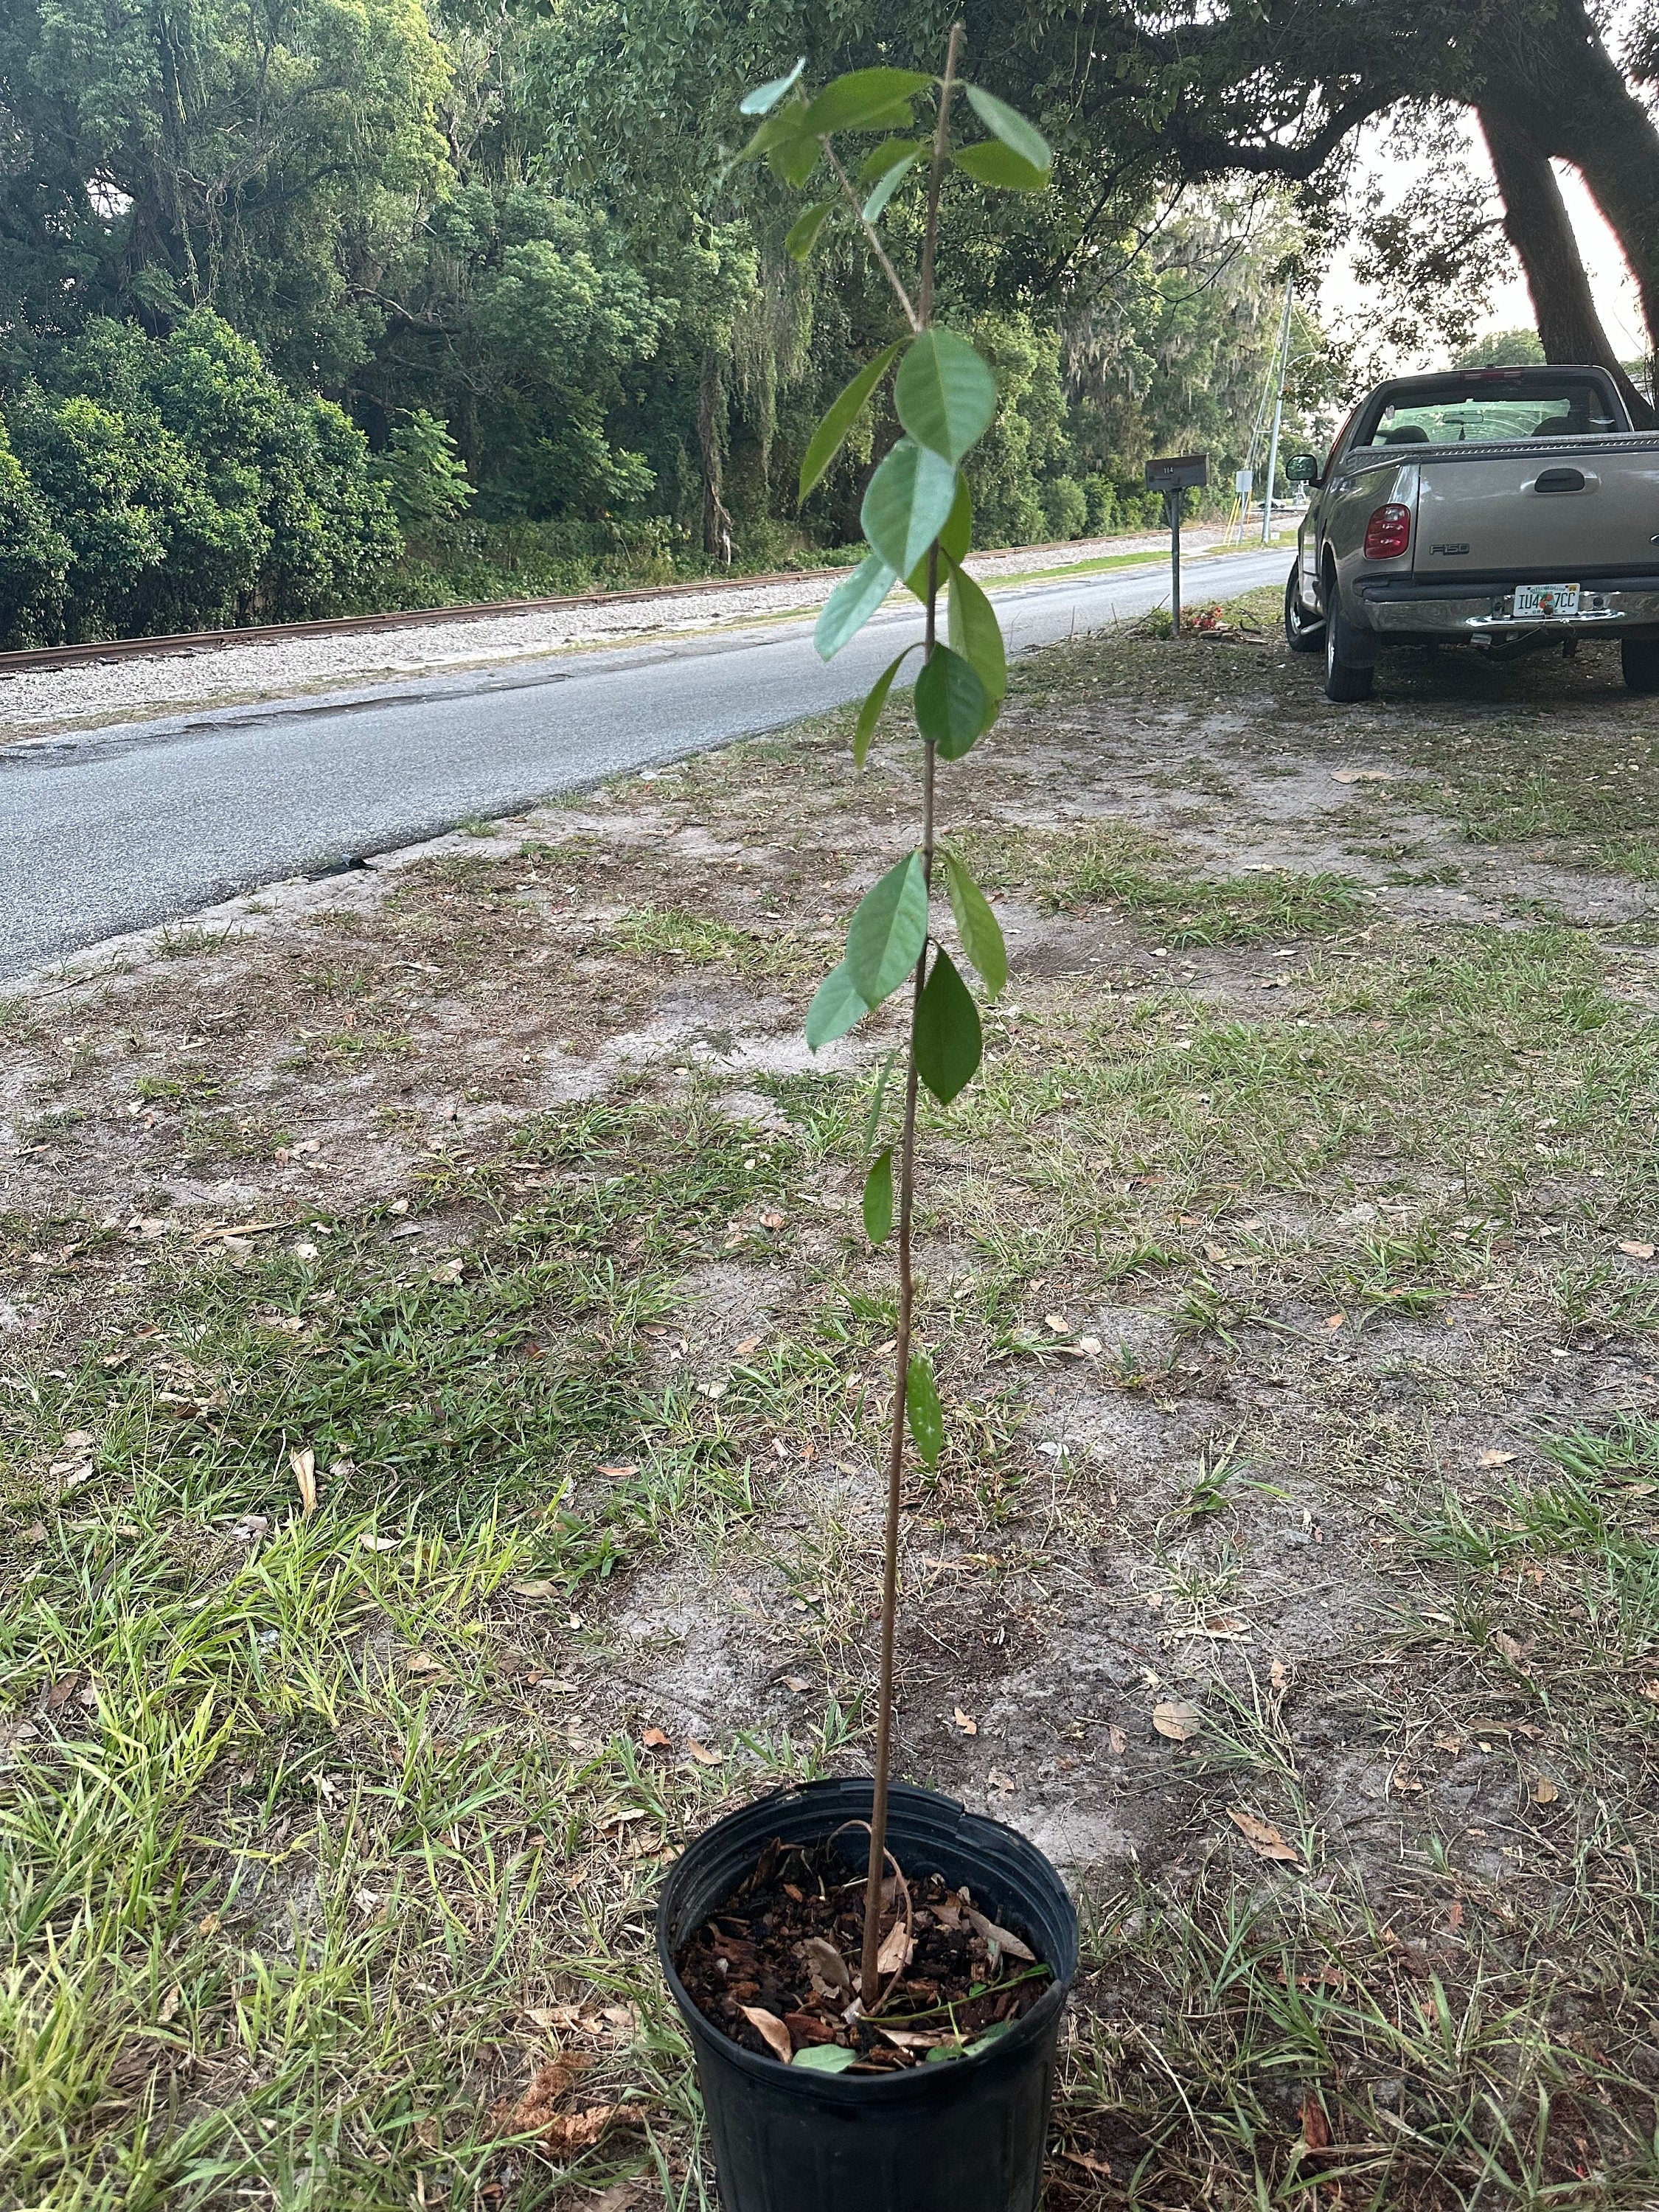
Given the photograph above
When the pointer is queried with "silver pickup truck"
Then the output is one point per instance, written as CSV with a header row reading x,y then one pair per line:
x,y
1497,508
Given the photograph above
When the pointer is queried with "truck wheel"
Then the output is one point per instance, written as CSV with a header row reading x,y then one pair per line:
x,y
1303,633
1641,658
1350,663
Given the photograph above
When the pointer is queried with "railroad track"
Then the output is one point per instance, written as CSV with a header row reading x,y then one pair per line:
x,y
210,640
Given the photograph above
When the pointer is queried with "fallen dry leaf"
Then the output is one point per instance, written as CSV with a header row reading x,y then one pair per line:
x,y
797,1683
378,1543
750,1344
895,1951
1117,1741
564,2018
998,1780
771,2030
968,1727
1543,1791
304,1464
422,1663
655,1738
1335,1320
1454,1914
1059,1323
702,1754
1315,2128
1263,1838
1637,1250
1177,1720
771,1220
826,1965
999,1940
75,1440
1362,776
1506,1647
536,1590
170,2005
621,1473
547,2089
1280,1673
1496,1458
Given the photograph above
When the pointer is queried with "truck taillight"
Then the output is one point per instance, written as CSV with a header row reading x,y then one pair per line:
x,y
1388,533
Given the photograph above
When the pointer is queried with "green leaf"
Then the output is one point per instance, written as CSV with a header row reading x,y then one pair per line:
x,y
951,708
866,99
976,926
942,2053
907,503
1008,124
836,1005
875,700
993,163
976,634
922,1410
885,191
765,97
954,539
803,236
851,604
947,1034
873,1118
843,411
795,159
886,934
945,393
780,128
824,2057
880,159
992,2035
878,1197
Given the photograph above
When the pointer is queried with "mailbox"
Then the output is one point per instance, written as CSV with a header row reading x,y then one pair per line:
x,y
1176,472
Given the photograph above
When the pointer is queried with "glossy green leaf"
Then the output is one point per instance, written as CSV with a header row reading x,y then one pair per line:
x,y
954,540
851,604
947,1032
878,1197
951,708
765,97
875,204
875,700
976,634
887,933
836,1005
1010,125
880,159
873,1118
922,1410
842,412
976,925
866,99
824,2057
945,393
992,163
990,2037
907,503
802,236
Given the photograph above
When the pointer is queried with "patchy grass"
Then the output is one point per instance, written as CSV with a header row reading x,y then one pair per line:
x,y
442,1394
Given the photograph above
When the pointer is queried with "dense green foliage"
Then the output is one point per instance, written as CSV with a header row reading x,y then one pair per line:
x,y
282,287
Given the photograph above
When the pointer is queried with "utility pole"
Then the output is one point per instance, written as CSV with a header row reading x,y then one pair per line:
x,y
1279,412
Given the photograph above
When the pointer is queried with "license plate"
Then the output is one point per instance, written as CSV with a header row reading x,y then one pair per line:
x,y
1546,600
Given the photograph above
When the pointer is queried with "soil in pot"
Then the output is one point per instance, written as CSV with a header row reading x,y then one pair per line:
x,y
775,1966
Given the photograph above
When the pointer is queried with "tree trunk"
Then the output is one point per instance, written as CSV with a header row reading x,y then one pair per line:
x,y
711,438
1536,224
1556,83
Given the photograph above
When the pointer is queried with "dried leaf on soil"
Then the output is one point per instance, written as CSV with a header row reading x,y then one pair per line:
x,y
1180,1722
1496,1458
895,1951
1262,1837
826,1965
1635,1250
1009,1947
771,2030
702,1754
655,1738
1315,2128
968,1727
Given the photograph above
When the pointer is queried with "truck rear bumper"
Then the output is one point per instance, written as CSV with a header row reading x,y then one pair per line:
x,y
1402,607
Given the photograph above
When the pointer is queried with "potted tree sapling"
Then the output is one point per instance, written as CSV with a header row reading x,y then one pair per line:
x,y
873,1978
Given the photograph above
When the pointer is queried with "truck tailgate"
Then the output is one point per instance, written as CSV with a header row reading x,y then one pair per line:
x,y
1552,510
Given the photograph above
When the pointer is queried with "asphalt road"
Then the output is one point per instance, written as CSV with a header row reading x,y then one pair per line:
x,y
112,830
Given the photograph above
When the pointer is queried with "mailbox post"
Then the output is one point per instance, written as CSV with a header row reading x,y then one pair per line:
x,y
1172,476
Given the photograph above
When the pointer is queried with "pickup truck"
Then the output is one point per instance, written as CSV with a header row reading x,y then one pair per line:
x,y
1498,507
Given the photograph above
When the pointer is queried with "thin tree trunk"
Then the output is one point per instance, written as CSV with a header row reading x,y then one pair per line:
x,y
1536,224
711,439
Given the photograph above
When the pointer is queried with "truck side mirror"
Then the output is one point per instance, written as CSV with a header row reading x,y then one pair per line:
x,y
1303,468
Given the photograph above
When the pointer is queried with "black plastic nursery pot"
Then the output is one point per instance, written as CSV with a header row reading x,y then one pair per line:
x,y
966,2137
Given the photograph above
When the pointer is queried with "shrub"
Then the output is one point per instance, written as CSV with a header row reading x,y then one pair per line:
x,y
34,558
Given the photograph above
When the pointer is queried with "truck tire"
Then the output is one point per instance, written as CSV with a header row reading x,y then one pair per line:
x,y
1641,658
1350,655
1302,634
